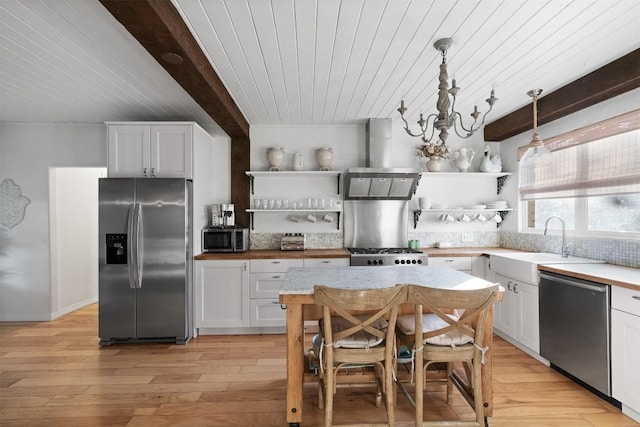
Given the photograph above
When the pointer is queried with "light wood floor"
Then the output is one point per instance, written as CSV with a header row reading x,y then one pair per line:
x,y
55,374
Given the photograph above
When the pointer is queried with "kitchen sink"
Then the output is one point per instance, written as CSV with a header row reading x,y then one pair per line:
x,y
524,266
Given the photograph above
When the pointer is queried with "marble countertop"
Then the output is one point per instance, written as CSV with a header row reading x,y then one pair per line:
x,y
302,280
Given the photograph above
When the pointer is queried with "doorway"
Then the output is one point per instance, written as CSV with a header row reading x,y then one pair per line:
x,y
73,229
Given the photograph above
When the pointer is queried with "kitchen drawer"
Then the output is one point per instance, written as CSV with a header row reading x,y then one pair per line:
x,y
326,262
458,263
627,300
265,285
267,313
274,265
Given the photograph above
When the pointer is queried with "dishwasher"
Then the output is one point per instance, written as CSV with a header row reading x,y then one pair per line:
x,y
574,328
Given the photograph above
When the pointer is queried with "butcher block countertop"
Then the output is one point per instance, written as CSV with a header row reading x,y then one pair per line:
x,y
275,253
341,253
609,274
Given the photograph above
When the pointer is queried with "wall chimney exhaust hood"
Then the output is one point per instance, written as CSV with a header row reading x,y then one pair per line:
x,y
378,180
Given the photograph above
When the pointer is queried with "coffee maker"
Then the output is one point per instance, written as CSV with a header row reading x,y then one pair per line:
x,y
223,215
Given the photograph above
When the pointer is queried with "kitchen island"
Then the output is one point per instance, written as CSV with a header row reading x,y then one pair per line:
x,y
297,293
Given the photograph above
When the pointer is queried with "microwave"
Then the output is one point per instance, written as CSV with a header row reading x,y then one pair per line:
x,y
225,239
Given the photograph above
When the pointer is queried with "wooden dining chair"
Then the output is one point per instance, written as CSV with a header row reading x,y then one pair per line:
x,y
439,336
358,328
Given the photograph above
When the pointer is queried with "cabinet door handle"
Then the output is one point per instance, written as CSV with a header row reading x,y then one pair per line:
x,y
275,262
144,171
636,297
276,277
509,285
515,288
326,262
153,171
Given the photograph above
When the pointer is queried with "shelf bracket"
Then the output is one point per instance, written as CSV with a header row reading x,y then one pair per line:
x,y
338,176
252,181
416,218
501,181
251,219
338,222
503,215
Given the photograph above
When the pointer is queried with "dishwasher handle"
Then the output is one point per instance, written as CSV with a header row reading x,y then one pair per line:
x,y
594,288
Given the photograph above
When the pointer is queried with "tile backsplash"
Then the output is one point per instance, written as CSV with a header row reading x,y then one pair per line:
x,y
625,252
614,251
312,240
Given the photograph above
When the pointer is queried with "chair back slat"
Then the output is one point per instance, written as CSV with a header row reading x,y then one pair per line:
x,y
475,303
380,303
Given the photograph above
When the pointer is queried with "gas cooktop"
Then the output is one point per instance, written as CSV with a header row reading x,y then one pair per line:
x,y
386,256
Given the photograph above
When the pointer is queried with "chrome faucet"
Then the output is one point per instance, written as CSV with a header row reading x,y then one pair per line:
x,y
565,248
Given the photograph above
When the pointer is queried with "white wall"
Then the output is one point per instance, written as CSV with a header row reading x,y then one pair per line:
x,y
212,180
73,213
27,151
348,143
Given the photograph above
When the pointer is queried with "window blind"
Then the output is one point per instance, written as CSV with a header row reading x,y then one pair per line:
x,y
583,167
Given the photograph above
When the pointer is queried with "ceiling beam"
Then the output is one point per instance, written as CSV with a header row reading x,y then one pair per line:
x,y
160,29
615,78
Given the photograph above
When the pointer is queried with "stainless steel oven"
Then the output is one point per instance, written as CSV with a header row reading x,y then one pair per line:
x,y
387,256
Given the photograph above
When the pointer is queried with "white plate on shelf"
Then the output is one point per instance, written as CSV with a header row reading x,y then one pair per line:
x,y
476,207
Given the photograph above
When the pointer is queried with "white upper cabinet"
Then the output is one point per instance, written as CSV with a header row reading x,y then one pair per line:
x,y
148,150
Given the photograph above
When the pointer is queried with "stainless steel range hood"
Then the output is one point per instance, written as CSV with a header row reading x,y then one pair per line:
x,y
378,180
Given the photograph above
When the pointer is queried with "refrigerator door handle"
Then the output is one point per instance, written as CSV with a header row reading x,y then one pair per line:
x,y
131,246
139,246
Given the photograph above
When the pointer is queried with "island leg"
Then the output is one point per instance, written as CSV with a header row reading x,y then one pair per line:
x,y
487,368
295,363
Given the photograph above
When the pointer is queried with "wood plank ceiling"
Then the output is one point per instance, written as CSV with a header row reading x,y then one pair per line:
x,y
334,61
305,62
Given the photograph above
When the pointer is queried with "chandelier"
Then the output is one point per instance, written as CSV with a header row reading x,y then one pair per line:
x,y
447,116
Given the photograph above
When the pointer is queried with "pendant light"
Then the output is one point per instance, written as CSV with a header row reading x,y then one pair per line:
x,y
537,154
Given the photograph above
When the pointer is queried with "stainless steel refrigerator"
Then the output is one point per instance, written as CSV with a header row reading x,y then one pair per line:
x,y
146,261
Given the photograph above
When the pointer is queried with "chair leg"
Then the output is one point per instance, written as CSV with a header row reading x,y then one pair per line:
x,y
380,381
389,394
321,393
420,386
329,394
477,392
449,383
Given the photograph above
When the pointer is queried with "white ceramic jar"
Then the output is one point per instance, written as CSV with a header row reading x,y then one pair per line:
x,y
275,155
324,156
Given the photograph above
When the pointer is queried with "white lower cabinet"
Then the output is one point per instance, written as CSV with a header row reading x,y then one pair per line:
x,y
625,349
517,315
267,276
222,294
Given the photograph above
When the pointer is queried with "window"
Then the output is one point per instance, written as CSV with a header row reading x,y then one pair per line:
x,y
593,182
597,215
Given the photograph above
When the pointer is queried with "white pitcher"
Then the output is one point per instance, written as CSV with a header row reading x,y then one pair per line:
x,y
462,158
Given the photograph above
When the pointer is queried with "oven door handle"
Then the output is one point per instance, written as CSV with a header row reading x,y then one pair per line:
x,y
595,288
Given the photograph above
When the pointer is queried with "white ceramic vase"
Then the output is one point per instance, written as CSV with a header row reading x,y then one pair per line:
x,y
324,156
275,155
433,164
